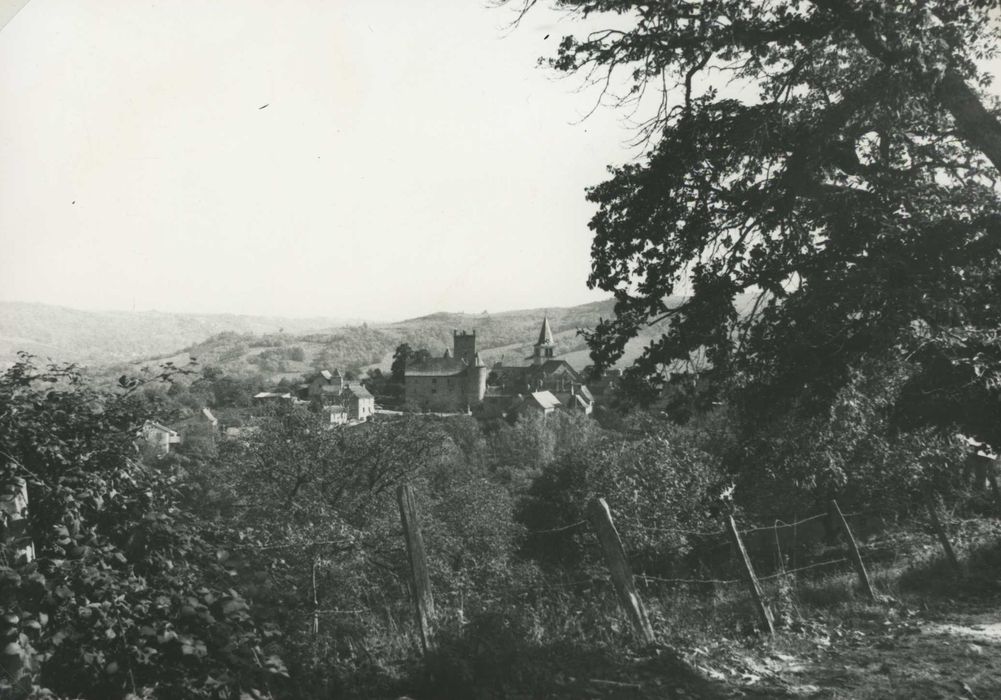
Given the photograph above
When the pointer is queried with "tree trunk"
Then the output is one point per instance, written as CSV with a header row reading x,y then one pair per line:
x,y
975,124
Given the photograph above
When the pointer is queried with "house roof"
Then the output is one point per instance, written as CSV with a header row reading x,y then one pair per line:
x,y
337,408
544,399
208,414
359,391
436,367
326,374
153,425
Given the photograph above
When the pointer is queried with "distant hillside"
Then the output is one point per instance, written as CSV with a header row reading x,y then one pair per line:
x,y
121,342
102,337
501,337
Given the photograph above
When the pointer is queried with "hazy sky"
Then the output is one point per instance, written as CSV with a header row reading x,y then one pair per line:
x,y
411,158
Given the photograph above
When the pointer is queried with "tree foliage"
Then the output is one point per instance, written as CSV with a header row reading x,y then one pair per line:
x,y
833,159
127,592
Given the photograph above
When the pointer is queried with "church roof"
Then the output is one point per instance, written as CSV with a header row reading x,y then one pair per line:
x,y
436,367
545,333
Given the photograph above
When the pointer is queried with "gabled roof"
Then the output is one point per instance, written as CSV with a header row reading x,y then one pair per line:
x,y
271,395
436,367
326,374
359,391
545,334
550,366
208,414
544,399
153,425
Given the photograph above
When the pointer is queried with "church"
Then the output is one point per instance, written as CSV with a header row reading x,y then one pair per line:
x,y
460,381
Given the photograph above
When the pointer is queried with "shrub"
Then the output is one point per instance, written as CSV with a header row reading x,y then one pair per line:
x,y
127,592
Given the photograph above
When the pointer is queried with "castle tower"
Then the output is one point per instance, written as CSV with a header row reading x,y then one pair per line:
x,y
464,345
476,381
545,347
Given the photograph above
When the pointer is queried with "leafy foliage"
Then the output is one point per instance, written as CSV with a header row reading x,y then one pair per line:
x,y
833,158
127,593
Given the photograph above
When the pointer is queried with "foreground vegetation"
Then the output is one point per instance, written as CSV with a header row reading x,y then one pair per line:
x,y
274,565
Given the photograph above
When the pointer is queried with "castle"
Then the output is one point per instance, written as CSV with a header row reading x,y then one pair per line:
x,y
454,382
460,381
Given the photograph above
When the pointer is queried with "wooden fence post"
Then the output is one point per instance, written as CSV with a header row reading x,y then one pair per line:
x,y
752,581
863,575
13,514
420,580
615,558
992,479
942,535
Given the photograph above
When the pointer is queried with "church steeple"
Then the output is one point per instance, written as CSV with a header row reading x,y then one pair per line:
x,y
545,346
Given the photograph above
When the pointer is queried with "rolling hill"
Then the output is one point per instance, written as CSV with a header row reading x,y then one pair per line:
x,y
122,342
102,337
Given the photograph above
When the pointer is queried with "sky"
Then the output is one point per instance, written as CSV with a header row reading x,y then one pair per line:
x,y
380,159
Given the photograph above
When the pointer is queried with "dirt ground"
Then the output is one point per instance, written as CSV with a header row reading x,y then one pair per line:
x,y
908,654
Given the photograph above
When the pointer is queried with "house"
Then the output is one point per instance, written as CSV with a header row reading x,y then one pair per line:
x,y
577,399
359,402
542,403
325,386
159,436
338,414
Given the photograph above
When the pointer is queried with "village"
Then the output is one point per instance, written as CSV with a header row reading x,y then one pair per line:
x,y
456,384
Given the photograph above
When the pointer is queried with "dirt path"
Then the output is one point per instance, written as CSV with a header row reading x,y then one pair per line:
x,y
905,655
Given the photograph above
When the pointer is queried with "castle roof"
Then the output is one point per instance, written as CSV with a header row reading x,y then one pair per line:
x,y
545,334
436,367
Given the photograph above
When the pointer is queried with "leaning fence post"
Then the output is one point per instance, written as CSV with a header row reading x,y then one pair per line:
x,y
863,575
752,581
942,535
615,558
420,580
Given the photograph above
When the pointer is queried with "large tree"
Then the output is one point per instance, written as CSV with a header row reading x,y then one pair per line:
x,y
833,160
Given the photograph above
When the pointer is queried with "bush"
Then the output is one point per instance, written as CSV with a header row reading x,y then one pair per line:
x,y
652,484
127,592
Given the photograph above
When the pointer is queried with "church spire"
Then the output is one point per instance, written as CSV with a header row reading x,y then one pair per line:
x,y
545,334
545,347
